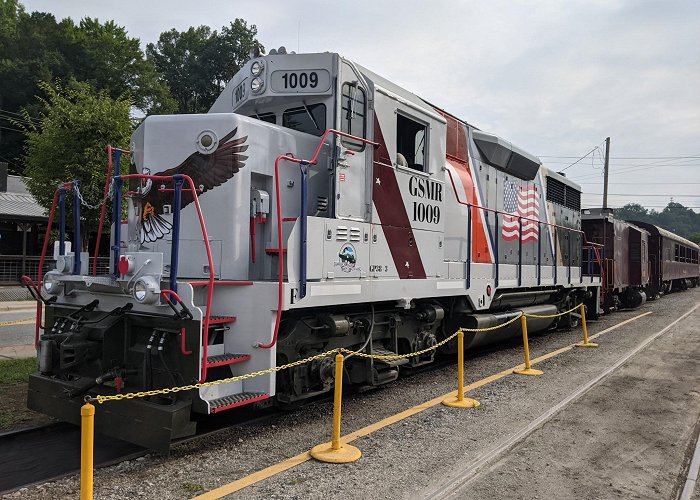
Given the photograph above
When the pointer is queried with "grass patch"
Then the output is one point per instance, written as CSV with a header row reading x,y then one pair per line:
x,y
13,371
192,487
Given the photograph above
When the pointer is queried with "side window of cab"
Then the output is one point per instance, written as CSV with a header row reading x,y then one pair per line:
x,y
353,114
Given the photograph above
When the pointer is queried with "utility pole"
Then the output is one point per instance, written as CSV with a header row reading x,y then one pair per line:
x,y
605,173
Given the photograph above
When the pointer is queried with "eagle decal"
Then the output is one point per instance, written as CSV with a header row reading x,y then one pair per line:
x,y
206,170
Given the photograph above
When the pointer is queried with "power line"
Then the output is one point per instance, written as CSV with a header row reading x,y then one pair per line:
x,y
629,157
638,194
584,156
13,129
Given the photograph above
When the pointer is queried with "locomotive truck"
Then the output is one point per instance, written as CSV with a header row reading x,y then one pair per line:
x,y
316,205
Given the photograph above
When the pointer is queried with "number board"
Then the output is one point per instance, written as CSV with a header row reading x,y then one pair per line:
x,y
307,80
239,93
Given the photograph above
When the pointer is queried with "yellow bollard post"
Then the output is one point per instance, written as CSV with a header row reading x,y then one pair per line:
x,y
585,342
459,401
528,370
335,452
87,442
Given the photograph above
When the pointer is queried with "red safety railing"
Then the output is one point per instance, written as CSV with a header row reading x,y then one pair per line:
x,y
280,219
40,273
210,258
110,150
586,243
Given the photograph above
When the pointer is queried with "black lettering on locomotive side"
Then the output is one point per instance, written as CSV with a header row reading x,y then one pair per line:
x,y
425,188
313,79
425,212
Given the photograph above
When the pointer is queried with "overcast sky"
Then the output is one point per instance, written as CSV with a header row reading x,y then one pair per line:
x,y
554,77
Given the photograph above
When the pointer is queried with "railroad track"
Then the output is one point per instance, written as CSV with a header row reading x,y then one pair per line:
x,y
41,454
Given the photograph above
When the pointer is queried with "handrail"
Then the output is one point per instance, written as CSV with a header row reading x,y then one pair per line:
x,y
207,246
585,243
119,152
280,255
40,271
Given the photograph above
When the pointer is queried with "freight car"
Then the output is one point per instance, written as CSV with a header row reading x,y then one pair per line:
x,y
673,261
625,258
317,205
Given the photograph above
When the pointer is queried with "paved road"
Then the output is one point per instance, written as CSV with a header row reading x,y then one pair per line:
x,y
17,332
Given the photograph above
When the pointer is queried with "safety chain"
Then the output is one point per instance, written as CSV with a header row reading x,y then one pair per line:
x,y
169,390
553,315
142,394
82,200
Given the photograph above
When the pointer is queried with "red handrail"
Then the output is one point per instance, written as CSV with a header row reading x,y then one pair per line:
x,y
110,149
210,259
280,255
40,272
166,295
508,214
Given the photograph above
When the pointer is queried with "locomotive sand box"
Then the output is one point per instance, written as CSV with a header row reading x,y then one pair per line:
x,y
316,206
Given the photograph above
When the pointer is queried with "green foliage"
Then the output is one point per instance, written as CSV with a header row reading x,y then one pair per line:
x,y
74,128
13,371
198,63
675,217
35,48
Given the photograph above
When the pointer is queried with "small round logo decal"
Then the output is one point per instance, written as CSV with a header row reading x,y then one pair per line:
x,y
348,257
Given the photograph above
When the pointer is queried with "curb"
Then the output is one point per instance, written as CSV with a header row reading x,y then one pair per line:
x,y
17,305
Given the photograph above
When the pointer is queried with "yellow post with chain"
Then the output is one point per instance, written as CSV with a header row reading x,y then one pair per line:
x,y
585,342
459,401
528,370
87,442
335,452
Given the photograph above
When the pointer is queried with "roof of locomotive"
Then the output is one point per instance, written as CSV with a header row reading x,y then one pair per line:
x,y
659,231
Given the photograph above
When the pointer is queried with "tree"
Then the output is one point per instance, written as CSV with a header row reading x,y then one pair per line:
x,y
69,142
197,63
35,47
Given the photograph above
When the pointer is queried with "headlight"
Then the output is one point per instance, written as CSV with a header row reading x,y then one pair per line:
x,y
52,284
146,290
256,68
256,84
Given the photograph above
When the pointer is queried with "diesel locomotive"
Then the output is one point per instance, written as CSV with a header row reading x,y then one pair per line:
x,y
316,205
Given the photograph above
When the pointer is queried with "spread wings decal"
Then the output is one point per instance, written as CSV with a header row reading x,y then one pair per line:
x,y
206,170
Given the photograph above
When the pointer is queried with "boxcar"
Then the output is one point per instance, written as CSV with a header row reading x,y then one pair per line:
x,y
626,258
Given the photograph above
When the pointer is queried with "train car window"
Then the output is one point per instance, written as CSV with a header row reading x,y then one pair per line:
x,y
353,115
310,119
265,117
676,252
411,137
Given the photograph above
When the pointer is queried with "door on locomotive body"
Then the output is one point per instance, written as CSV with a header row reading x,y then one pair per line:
x,y
351,186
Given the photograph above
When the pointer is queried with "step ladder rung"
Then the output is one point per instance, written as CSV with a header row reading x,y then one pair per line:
x,y
226,359
221,320
234,400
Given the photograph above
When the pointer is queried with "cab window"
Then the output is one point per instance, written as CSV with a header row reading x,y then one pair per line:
x,y
411,137
310,119
352,118
265,117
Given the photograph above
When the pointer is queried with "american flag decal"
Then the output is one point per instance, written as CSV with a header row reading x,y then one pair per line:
x,y
523,201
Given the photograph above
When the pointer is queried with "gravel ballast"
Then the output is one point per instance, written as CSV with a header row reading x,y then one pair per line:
x,y
405,458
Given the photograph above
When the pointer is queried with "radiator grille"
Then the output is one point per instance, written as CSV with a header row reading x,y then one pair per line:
x,y
560,193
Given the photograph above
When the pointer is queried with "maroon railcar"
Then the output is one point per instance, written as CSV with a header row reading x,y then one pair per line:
x,y
626,271
673,261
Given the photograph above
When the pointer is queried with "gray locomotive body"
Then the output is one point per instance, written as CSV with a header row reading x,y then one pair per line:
x,y
408,224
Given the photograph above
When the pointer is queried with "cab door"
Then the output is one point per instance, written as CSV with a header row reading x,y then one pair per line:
x,y
350,177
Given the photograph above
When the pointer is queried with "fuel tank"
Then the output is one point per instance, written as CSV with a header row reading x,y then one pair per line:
x,y
476,339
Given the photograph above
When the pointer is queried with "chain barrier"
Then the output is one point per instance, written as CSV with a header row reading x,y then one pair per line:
x,y
169,390
545,316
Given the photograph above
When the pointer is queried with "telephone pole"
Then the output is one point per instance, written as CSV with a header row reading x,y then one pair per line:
x,y
605,172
